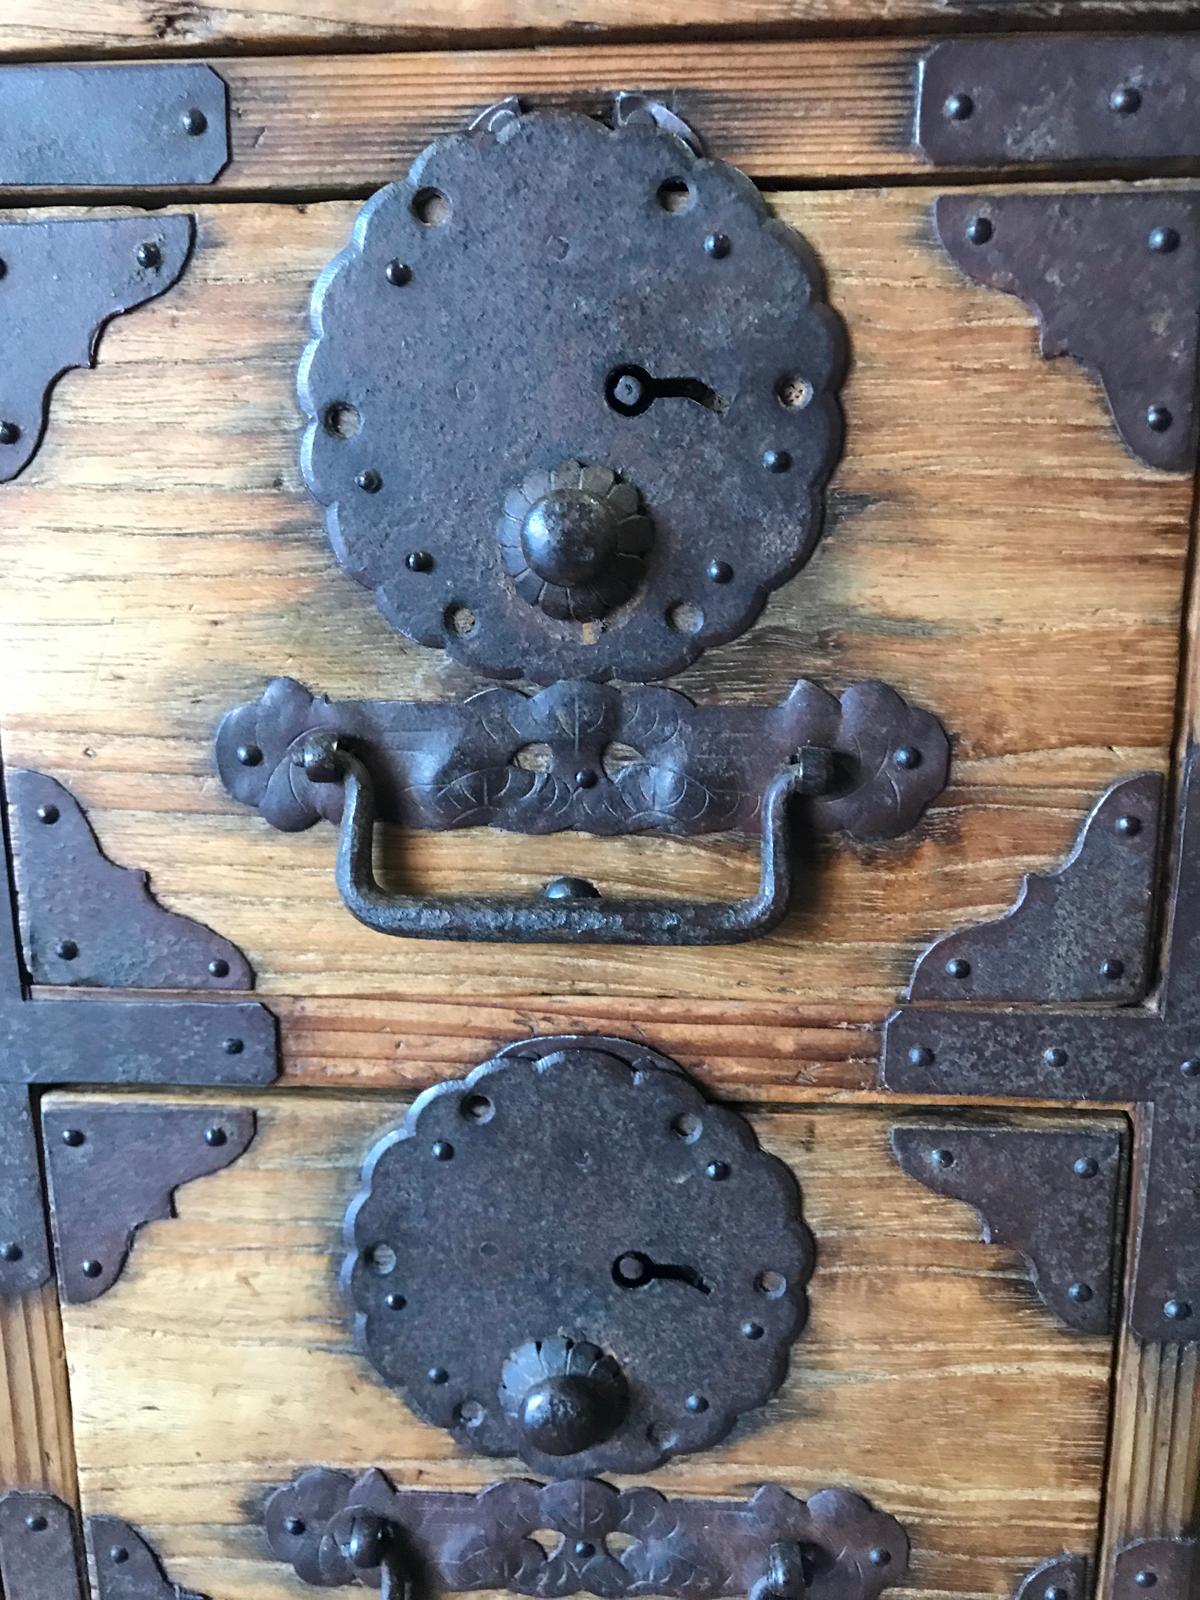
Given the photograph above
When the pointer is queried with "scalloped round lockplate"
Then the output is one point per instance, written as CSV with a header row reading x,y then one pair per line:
x,y
576,1193
546,295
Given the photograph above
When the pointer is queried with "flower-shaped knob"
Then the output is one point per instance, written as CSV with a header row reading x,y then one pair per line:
x,y
566,1395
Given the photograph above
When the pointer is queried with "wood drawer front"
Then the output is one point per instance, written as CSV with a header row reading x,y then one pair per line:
x,y
930,1377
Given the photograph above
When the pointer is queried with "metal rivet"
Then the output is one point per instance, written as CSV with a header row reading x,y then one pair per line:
x,y
980,230
66,949
719,572
395,1302
584,1548
1055,1592
215,1136
438,1375
1112,968
752,1330
1081,1293
716,245
696,1402
193,122
369,481
398,273
776,460
920,1056
149,255
942,1158
118,1554
233,1047
585,778
48,814
571,889
1163,240
1158,419
419,561
907,757
9,433
1191,1067
442,1150
1125,100
248,754
35,1522
1130,827
74,1137
91,1268
1055,1056
1145,1579
293,1525
880,1557
218,967
959,107
11,1251
1086,1167
717,1171
956,967
1177,1310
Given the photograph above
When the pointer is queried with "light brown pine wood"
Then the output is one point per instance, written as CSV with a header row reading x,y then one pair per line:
x,y
929,1378
991,550
36,1447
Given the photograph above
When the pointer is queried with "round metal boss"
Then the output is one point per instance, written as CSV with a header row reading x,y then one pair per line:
x,y
572,1256
562,375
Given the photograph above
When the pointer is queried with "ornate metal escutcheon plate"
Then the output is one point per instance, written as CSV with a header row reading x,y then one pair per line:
x,y
572,1256
572,396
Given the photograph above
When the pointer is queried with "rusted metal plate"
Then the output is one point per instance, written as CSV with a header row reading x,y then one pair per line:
x,y
1114,279
61,283
682,769
572,398
502,1253
1170,1567
24,1247
159,124
1079,933
126,1565
38,1550
1040,101
112,1168
1050,1195
87,921
1060,1578
683,1548
1149,1057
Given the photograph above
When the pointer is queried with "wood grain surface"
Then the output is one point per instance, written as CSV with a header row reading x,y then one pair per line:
x,y
96,27
37,1450
930,1378
991,550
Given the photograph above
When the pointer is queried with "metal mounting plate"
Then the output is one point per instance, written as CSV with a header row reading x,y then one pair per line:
x,y
547,1210
154,124
572,399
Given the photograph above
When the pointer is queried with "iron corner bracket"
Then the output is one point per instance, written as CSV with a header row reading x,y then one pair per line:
x,y
42,1557
1024,1036
87,919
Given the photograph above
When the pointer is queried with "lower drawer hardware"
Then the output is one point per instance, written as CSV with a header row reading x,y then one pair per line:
x,y
334,1529
85,915
1051,1195
41,1557
64,281
1053,1050
572,1256
867,764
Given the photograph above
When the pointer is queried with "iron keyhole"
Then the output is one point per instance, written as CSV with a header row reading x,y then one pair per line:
x,y
630,390
635,1268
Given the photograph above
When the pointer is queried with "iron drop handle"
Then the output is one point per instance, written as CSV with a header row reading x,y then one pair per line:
x,y
572,910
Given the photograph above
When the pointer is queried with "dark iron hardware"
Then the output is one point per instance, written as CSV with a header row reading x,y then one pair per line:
x,y
532,448
1056,1051
112,1168
107,1038
1168,1566
1050,1195
334,1529
61,283
868,764
1060,1578
1038,101
588,1200
1114,279
156,124
41,1557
